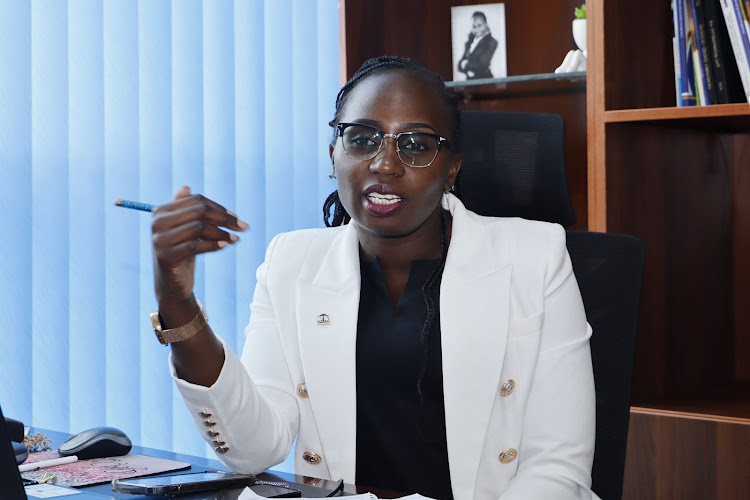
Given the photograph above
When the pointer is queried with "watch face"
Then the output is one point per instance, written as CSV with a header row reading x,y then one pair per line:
x,y
156,323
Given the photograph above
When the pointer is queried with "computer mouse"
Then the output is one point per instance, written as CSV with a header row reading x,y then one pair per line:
x,y
98,442
20,451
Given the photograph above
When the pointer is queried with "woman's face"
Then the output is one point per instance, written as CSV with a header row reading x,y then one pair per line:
x,y
385,197
479,27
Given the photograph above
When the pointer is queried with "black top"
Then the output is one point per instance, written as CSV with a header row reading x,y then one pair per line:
x,y
401,442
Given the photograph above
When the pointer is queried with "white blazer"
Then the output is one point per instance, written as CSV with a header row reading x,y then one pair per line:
x,y
510,310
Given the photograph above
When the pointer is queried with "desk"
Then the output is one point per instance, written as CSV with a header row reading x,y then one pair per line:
x,y
310,486
673,454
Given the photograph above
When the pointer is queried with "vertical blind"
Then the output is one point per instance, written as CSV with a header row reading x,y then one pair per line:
x,y
105,99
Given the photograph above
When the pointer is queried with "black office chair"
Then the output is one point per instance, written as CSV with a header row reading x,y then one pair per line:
x,y
609,268
514,166
504,152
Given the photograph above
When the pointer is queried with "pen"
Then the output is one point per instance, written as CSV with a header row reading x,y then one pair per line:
x,y
43,464
135,205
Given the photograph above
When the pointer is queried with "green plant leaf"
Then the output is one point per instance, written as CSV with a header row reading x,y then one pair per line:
x,y
580,12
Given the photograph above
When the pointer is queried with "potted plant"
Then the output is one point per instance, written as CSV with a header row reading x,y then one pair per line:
x,y
579,28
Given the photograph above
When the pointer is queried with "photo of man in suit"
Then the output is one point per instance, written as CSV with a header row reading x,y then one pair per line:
x,y
478,50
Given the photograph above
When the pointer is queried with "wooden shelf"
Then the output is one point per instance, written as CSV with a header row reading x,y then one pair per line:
x,y
514,86
729,117
576,76
730,403
680,455
737,411
694,412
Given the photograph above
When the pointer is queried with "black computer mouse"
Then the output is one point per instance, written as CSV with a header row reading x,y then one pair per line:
x,y
98,442
20,451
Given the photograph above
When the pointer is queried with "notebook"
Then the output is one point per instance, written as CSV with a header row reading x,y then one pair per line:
x,y
11,484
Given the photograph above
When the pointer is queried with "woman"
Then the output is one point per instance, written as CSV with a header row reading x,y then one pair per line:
x,y
478,50
418,348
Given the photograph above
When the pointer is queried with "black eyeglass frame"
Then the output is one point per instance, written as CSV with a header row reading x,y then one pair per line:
x,y
340,127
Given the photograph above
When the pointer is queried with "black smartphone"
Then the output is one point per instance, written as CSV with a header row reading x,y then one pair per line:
x,y
268,491
195,482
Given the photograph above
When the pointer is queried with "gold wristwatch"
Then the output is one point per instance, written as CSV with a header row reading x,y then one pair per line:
x,y
181,333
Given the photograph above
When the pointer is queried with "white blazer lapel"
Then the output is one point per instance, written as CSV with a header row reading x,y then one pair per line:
x,y
327,313
474,316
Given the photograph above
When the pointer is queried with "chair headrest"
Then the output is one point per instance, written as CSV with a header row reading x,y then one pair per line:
x,y
514,166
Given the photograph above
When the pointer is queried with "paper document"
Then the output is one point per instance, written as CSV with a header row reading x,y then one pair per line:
x,y
249,494
49,491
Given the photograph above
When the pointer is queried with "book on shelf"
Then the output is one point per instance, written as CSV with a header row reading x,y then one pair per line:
x,y
703,47
684,57
711,46
737,29
694,49
677,69
726,75
739,11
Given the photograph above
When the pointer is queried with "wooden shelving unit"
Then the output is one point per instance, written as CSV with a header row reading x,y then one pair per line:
x,y
679,179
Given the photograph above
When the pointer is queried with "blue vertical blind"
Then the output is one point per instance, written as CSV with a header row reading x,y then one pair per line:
x,y
133,99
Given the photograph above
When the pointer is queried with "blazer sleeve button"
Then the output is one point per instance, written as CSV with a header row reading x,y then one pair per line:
x,y
209,423
507,388
508,455
212,434
302,390
311,458
221,449
204,414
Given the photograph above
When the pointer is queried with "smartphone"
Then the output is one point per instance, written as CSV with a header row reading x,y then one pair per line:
x,y
269,491
194,482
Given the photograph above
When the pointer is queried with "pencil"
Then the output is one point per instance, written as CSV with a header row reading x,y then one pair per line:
x,y
135,205
43,464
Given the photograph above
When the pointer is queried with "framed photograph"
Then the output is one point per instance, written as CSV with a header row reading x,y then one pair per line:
x,y
478,41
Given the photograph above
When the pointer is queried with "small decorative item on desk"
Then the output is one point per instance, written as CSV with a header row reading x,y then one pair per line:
x,y
575,60
37,442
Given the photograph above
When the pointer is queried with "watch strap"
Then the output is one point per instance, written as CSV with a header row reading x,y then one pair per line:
x,y
184,332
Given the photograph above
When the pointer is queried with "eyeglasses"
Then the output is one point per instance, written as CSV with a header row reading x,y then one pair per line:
x,y
415,149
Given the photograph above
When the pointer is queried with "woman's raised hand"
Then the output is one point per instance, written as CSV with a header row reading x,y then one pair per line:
x,y
188,225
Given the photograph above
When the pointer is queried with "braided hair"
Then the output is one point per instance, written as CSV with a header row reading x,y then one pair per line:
x,y
379,65
340,216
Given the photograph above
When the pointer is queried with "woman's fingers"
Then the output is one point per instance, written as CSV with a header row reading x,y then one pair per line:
x,y
182,193
188,249
188,225
188,208
199,230
183,198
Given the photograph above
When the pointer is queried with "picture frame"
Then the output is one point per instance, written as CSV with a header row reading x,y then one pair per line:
x,y
478,42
